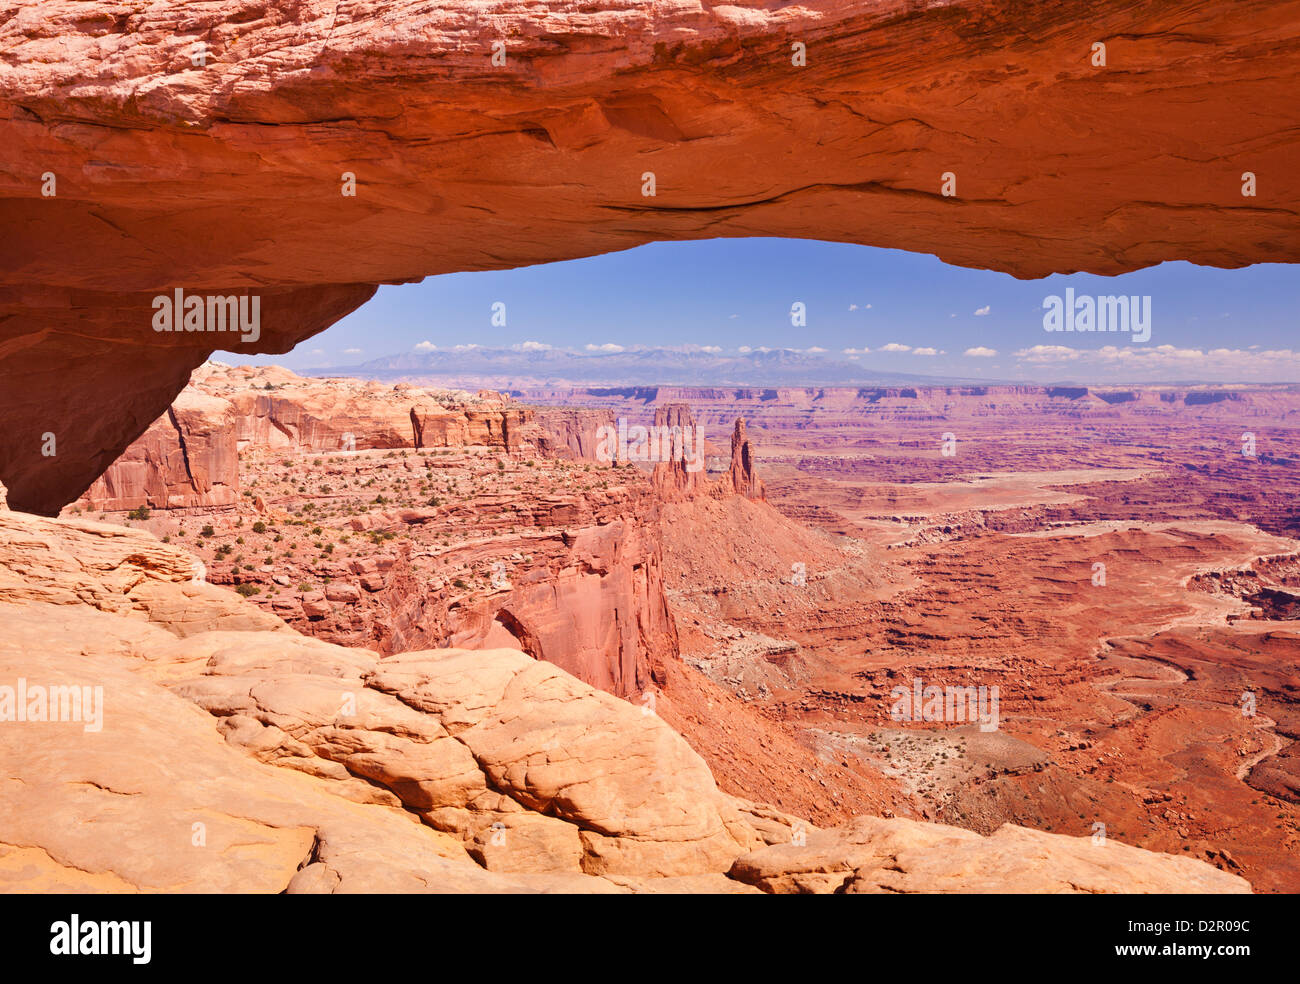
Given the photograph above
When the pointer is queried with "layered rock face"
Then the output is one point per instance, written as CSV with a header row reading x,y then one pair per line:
x,y
273,408
440,427
323,150
575,428
792,408
188,456
741,472
210,748
580,585
682,476
570,575
598,609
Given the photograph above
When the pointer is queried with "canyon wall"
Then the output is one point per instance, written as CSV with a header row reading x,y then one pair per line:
x,y
585,589
575,428
713,404
587,595
187,458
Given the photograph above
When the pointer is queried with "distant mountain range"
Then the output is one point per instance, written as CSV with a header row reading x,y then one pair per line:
x,y
471,366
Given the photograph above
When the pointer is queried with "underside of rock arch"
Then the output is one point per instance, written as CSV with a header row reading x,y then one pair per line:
x,y
147,147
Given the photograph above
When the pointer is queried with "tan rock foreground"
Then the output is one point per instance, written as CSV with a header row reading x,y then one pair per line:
x,y
196,745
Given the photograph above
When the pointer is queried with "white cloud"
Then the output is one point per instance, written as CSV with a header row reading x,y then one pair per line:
x,y
853,351
895,347
924,351
426,347
607,347
1179,360
352,351
1048,353
980,312
980,352
1177,353
744,350
532,347
815,348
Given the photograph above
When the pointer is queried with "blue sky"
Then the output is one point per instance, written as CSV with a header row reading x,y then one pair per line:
x,y
890,310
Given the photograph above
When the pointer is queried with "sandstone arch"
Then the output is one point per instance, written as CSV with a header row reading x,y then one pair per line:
x,y
226,175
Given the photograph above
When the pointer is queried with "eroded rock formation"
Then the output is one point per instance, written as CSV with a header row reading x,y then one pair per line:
x,y
249,758
512,549
680,472
683,474
156,146
741,472
188,457
575,428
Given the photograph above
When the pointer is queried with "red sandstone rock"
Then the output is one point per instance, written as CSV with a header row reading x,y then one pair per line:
x,y
186,458
679,477
437,426
603,616
683,474
575,428
741,473
588,597
460,164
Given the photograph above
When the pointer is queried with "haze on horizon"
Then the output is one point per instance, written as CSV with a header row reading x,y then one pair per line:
x,y
869,312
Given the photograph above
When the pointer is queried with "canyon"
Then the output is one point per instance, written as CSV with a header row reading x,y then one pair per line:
x,y
400,636
766,608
